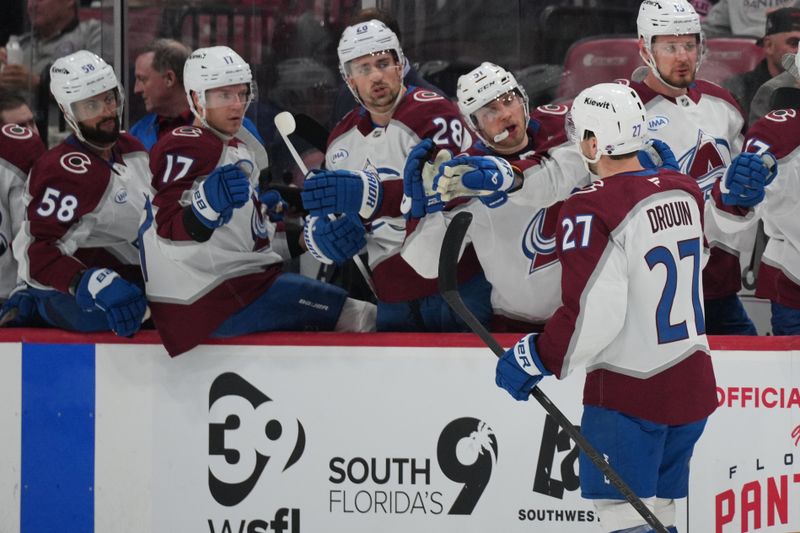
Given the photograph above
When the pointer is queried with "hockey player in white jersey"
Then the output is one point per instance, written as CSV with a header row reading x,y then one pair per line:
x,y
762,184
703,125
212,250
20,148
515,242
631,249
514,219
363,183
83,202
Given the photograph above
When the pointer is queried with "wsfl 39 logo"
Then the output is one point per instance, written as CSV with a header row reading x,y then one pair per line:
x,y
248,434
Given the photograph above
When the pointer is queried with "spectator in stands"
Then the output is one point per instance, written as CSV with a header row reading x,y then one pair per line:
x,y
735,17
781,37
159,80
762,102
15,110
344,99
56,32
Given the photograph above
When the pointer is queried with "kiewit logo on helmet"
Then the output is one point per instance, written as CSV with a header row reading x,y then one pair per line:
x,y
229,458
588,100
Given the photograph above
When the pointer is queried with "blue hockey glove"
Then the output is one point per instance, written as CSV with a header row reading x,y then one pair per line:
x,y
334,241
746,178
488,178
657,154
419,197
273,204
19,309
122,301
519,370
328,192
225,189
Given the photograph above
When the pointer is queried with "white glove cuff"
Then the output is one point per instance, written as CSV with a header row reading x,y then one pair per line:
x,y
201,205
371,194
506,173
525,359
311,245
99,280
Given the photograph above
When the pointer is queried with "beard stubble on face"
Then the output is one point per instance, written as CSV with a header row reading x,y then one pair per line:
x,y
99,135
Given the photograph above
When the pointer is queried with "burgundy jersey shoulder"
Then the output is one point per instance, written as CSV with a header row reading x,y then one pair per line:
x,y
778,131
712,89
347,123
20,147
128,144
424,112
612,199
645,93
548,121
69,169
199,148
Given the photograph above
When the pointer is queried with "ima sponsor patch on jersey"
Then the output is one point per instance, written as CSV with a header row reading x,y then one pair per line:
x,y
657,122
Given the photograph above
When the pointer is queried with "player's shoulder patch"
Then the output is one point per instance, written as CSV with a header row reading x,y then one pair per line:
x,y
15,131
187,131
69,168
197,145
778,131
424,95
20,147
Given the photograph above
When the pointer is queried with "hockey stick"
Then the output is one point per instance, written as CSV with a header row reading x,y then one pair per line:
x,y
284,122
448,287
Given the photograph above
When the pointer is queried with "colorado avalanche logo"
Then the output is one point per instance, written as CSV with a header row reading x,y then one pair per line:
x,y
259,227
385,172
706,161
16,131
539,240
75,162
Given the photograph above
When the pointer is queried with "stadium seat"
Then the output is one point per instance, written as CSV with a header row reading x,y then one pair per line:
x,y
598,59
728,56
243,29
559,26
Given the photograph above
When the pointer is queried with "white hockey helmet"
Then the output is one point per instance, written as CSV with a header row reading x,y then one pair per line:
x,y
79,76
210,68
364,38
483,85
614,113
668,17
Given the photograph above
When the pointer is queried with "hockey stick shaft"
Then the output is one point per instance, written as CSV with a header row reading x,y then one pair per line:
x,y
285,123
448,286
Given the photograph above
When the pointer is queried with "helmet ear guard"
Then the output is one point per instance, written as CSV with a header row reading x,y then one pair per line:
x,y
78,76
616,116
483,85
